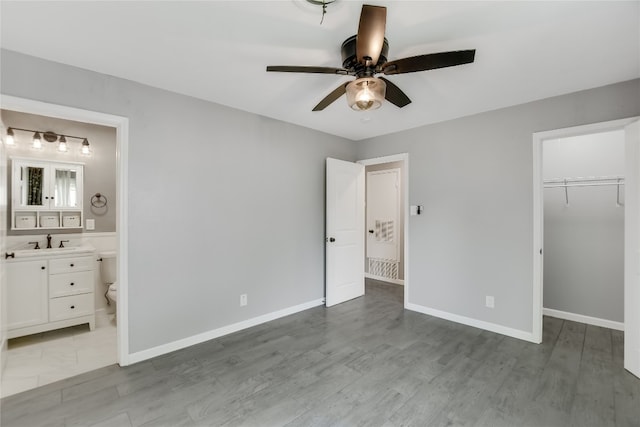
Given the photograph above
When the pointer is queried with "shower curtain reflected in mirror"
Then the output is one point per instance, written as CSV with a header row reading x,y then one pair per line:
x,y
34,194
65,188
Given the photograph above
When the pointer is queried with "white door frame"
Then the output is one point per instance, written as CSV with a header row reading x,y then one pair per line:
x,y
538,204
121,124
404,158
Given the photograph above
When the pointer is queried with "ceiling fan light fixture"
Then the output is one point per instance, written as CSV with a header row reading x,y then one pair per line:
x,y
366,93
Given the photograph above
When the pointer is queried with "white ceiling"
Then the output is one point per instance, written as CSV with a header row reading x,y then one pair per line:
x,y
218,51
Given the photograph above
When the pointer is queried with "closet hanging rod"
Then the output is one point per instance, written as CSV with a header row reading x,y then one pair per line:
x,y
583,182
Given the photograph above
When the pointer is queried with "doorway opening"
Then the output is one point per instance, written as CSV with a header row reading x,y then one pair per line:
x,y
346,229
114,326
384,223
386,220
608,215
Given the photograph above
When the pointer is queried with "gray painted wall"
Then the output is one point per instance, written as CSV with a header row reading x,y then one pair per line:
x,y
223,202
474,176
99,167
220,202
584,242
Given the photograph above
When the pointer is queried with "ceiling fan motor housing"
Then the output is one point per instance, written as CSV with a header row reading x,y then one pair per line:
x,y
350,60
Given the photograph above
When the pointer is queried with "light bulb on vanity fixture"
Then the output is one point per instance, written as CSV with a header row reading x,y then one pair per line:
x,y
37,141
10,139
62,144
85,150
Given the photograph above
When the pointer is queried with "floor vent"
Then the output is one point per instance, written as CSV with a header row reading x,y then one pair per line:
x,y
387,268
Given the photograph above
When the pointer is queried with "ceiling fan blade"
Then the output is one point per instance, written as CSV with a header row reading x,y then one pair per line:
x,y
394,95
429,62
370,37
303,69
337,93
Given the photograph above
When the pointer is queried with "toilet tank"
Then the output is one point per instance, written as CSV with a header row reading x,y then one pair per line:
x,y
108,268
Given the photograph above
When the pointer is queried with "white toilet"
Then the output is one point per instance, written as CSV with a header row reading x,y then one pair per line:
x,y
108,275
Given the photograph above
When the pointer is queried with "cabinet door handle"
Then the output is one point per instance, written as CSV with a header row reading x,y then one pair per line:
x,y
42,268
71,265
71,284
73,306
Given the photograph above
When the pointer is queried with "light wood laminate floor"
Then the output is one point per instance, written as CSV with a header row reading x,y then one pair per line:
x,y
365,362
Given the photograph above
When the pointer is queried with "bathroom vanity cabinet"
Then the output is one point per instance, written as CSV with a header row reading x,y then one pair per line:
x,y
49,292
45,194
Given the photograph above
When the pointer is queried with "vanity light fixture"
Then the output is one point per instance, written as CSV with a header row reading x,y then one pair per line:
x,y
9,139
49,136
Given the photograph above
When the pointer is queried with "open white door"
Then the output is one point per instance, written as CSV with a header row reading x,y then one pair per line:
x,y
632,250
345,231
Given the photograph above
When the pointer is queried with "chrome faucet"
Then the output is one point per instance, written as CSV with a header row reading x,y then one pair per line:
x,y
48,241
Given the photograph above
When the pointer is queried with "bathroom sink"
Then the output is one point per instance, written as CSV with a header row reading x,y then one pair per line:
x,y
26,253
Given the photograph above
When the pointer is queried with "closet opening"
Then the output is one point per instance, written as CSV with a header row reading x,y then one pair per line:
x,y
586,230
583,250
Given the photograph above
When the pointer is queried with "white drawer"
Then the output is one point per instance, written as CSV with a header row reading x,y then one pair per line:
x,y
69,265
70,307
64,284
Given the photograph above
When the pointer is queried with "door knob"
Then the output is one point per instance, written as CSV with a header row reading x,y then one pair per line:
x,y
331,239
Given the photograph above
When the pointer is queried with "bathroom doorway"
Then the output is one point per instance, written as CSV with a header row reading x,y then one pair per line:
x,y
76,349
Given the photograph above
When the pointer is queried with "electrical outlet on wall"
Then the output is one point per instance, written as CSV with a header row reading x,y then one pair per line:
x,y
243,300
490,302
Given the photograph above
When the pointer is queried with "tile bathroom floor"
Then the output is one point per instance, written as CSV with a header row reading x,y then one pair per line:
x,y
43,358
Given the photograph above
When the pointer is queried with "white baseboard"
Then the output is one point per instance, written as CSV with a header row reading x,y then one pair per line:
x,y
481,324
216,333
595,321
384,279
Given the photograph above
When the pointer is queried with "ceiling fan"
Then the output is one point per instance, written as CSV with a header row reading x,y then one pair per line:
x,y
365,55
